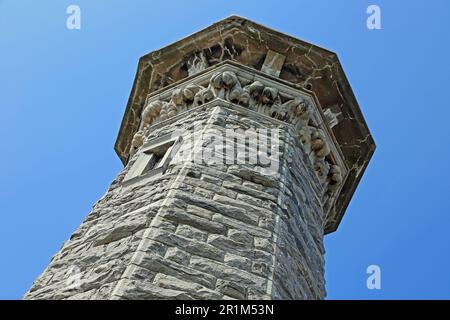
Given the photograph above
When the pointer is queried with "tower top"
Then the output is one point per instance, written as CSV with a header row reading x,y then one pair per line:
x,y
280,56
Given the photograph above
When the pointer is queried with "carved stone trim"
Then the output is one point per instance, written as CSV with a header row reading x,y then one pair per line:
x,y
264,95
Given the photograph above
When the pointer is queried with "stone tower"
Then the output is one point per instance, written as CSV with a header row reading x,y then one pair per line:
x,y
242,148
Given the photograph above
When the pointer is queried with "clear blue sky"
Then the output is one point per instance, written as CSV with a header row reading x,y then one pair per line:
x,y
63,94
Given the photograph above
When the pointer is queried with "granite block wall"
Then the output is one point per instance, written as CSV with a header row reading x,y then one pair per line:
x,y
217,230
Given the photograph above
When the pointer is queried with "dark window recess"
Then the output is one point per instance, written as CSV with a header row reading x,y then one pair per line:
x,y
154,162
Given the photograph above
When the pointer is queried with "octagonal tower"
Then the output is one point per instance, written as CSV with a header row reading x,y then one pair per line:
x,y
242,148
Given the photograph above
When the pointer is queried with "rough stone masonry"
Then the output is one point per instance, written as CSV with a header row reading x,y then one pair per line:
x,y
242,148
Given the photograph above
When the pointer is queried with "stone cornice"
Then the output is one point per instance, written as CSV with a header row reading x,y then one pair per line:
x,y
263,95
303,65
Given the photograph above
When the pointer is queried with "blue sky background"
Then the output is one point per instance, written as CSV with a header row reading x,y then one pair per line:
x,y
63,94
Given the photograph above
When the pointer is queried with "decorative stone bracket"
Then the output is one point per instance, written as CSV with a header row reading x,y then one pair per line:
x,y
261,93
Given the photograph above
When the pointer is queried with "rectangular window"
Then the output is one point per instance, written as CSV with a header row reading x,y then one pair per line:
x,y
154,158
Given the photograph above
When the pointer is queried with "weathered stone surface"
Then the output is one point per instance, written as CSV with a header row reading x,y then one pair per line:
x,y
177,255
140,290
158,264
190,245
217,228
192,233
232,223
193,219
240,236
238,261
195,290
231,289
305,65
223,271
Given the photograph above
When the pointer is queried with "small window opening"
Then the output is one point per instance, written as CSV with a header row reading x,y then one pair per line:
x,y
153,159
